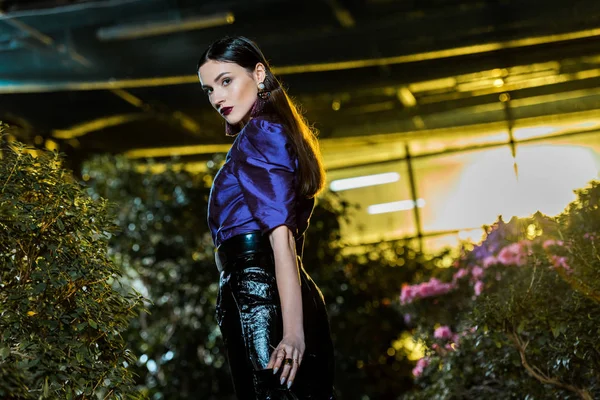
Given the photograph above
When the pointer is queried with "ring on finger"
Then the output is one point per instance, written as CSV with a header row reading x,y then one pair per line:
x,y
288,361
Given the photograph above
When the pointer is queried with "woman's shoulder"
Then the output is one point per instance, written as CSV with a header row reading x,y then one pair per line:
x,y
264,129
263,135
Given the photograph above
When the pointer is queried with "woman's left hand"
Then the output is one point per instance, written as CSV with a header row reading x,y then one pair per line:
x,y
290,347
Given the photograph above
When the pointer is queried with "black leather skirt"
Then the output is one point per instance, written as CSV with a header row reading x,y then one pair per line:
x,y
249,316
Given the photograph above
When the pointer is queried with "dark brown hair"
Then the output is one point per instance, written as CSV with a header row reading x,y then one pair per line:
x,y
244,52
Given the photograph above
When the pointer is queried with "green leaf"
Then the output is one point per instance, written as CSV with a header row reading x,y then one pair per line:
x,y
93,324
39,288
46,389
558,329
81,326
4,352
521,327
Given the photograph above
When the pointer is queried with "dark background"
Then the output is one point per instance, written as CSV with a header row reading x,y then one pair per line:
x,y
348,62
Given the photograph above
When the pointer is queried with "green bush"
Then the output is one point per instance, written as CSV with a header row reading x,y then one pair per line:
x,y
518,316
61,318
166,251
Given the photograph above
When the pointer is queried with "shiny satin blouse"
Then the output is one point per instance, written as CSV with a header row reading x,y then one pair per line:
x,y
256,188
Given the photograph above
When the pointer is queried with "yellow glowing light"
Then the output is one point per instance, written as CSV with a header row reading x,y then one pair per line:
x,y
533,231
51,145
178,151
436,84
557,127
472,235
364,181
321,67
498,83
98,124
394,206
406,97
534,131
414,349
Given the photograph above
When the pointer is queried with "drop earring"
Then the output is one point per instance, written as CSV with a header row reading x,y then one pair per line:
x,y
262,93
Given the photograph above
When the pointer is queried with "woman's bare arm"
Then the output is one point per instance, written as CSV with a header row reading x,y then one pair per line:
x,y
290,294
288,279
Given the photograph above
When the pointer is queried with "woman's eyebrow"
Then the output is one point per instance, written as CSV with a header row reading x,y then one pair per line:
x,y
220,75
216,79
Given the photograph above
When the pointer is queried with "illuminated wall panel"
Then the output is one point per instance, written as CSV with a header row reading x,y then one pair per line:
x,y
461,191
364,227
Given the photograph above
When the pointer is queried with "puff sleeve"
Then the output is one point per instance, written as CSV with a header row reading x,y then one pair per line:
x,y
266,170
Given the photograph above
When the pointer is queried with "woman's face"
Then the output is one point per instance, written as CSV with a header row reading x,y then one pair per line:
x,y
231,89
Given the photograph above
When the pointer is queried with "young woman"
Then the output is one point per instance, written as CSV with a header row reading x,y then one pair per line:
x,y
270,312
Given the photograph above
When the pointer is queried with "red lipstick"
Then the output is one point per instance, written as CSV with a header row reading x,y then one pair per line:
x,y
226,110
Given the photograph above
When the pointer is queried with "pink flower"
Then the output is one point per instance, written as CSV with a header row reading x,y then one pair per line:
x,y
514,254
489,260
478,288
449,346
560,262
407,294
589,236
459,274
443,332
433,287
551,242
477,272
421,365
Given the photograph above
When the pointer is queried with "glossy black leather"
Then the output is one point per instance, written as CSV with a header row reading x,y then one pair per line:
x,y
249,315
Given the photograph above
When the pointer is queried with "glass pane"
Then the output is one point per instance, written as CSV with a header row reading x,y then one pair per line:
x,y
549,172
437,141
434,244
470,189
375,220
465,190
343,153
552,125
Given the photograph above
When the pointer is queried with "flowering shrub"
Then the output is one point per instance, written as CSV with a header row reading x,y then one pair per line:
x,y
518,315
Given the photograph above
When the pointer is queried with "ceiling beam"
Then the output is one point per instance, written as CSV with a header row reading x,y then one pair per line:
x,y
179,117
38,87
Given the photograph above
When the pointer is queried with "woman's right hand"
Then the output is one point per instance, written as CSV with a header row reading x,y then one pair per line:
x,y
291,346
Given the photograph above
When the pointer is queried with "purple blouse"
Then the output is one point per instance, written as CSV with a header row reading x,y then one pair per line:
x,y
257,188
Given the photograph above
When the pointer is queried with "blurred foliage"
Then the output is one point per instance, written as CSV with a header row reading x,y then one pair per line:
x,y
522,317
361,288
60,317
166,249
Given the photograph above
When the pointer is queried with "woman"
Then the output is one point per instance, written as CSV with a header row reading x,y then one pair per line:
x,y
270,312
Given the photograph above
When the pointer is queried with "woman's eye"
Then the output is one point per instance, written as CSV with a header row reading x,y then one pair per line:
x,y
208,91
226,81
